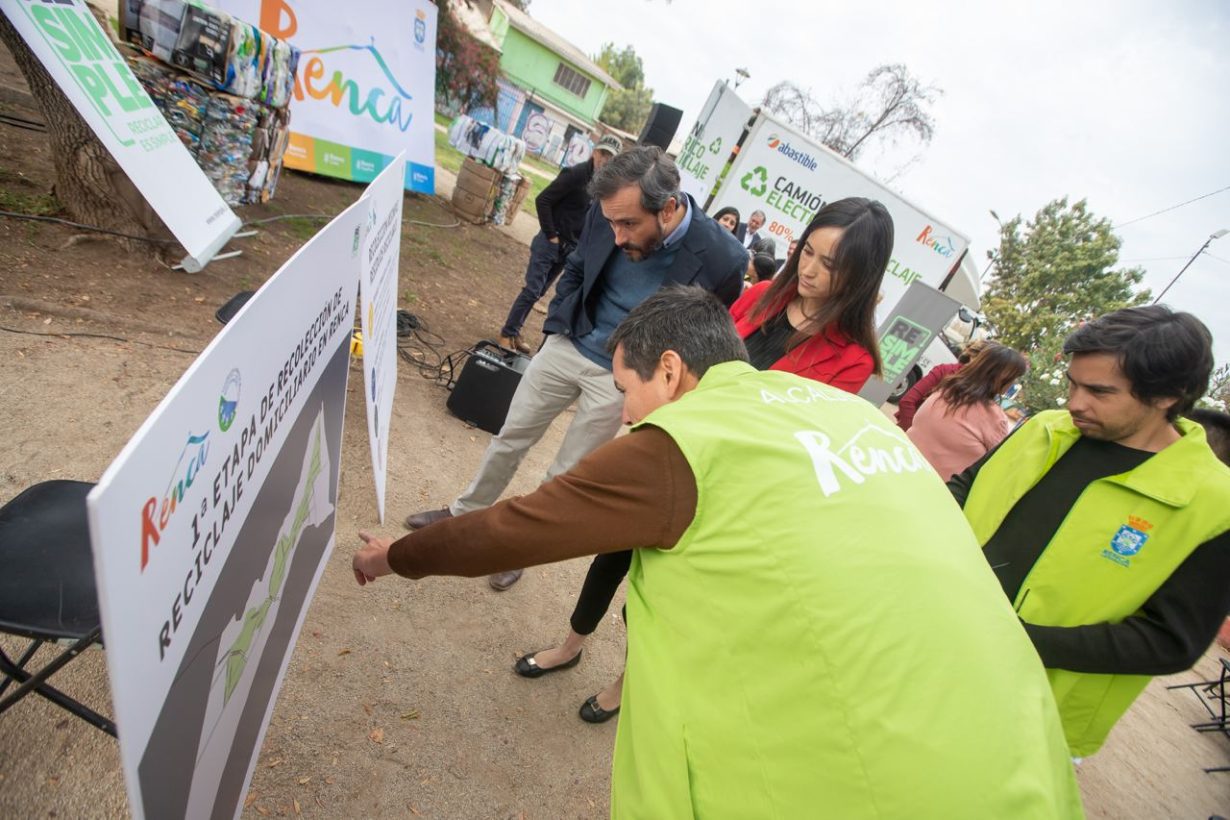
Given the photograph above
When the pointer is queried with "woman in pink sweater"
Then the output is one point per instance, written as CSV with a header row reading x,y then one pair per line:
x,y
962,420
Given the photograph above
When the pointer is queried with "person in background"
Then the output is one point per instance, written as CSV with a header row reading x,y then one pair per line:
x,y
753,238
817,321
641,234
728,218
561,212
924,387
817,317
781,263
798,645
1108,522
1216,429
962,421
760,268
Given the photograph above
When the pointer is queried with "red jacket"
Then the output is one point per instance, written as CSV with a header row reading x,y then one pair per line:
x,y
829,356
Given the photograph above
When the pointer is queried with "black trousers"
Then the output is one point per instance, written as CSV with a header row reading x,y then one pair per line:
x,y
546,262
606,572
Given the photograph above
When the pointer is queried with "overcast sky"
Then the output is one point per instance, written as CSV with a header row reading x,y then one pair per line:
x,y
1124,103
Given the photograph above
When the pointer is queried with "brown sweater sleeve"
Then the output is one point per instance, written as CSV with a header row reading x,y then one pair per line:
x,y
636,491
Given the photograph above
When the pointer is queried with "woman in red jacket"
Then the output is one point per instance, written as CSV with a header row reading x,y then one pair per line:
x,y
817,317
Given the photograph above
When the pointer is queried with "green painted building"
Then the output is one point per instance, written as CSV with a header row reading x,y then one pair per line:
x,y
549,89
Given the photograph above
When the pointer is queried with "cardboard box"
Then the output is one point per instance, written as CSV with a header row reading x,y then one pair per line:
x,y
474,168
470,206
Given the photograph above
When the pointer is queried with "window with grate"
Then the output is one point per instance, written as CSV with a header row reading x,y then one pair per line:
x,y
568,79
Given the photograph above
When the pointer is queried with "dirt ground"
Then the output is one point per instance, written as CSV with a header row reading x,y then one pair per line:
x,y
400,699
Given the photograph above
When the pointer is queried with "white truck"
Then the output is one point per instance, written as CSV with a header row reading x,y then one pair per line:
x,y
745,158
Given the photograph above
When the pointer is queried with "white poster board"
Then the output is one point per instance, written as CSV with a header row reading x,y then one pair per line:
x,y
212,527
366,85
378,311
710,142
85,65
790,178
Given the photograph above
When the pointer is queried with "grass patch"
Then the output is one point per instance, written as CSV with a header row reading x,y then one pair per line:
x,y
539,164
31,204
302,229
447,157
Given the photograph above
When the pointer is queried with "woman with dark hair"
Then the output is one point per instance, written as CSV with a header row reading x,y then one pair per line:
x,y
728,218
817,317
916,395
962,421
760,268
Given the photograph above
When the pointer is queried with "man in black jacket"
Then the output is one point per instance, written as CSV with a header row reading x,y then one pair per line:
x,y
561,212
641,235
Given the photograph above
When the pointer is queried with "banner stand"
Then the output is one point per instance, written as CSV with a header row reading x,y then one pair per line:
x,y
192,264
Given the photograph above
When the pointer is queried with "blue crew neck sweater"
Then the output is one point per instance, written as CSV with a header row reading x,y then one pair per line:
x,y
625,284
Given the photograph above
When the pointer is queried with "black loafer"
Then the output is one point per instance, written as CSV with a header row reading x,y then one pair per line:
x,y
591,712
527,667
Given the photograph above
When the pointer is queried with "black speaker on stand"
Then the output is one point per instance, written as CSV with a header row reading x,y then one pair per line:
x,y
661,126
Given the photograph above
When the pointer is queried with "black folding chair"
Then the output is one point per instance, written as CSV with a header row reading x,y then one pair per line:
x,y
47,591
1213,696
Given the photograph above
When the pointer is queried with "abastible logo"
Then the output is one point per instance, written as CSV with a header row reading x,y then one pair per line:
x,y
942,245
228,402
1127,541
801,157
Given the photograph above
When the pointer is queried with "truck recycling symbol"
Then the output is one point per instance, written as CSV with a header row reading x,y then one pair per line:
x,y
761,183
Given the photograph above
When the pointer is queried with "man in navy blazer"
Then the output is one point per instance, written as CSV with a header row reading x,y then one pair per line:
x,y
641,234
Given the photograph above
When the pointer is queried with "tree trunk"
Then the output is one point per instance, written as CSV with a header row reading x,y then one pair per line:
x,y
91,186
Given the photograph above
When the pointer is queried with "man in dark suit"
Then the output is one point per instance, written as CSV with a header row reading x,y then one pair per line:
x,y
753,238
561,211
640,235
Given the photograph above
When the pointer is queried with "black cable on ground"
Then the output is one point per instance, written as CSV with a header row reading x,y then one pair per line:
x,y
99,336
417,345
95,228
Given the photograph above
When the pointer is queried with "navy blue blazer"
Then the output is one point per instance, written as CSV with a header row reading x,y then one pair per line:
x,y
709,257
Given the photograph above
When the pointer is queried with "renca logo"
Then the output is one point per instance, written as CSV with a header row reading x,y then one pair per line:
x,y
156,515
942,245
801,157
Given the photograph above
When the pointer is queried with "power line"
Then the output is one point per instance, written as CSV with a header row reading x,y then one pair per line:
x,y
1171,208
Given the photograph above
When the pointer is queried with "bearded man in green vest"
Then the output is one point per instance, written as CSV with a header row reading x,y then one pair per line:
x,y
797,645
1108,523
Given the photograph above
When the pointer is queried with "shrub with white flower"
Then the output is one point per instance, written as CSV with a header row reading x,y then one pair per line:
x,y
1045,385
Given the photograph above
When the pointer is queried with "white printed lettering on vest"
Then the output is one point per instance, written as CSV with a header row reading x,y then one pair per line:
x,y
800,394
863,461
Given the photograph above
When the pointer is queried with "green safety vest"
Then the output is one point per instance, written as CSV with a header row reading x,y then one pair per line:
x,y
826,639
1121,540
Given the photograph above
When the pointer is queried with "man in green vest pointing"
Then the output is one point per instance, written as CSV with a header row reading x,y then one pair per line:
x,y
797,645
1108,523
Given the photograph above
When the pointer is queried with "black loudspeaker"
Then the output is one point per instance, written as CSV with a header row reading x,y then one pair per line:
x,y
661,126
484,390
